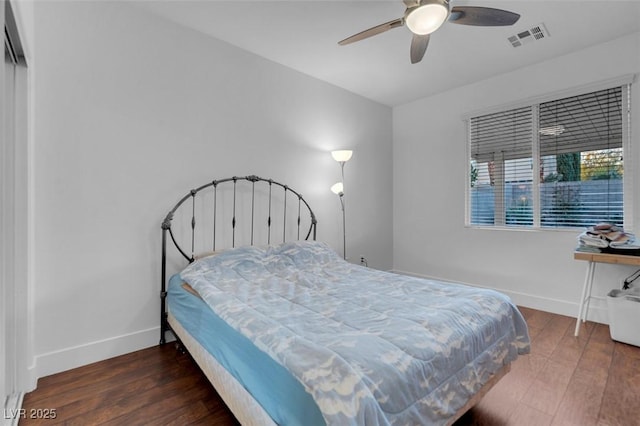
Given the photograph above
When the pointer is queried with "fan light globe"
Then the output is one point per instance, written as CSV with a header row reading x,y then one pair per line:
x,y
337,188
427,18
342,155
555,130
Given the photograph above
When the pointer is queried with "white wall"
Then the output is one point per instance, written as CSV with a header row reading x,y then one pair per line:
x,y
536,268
131,112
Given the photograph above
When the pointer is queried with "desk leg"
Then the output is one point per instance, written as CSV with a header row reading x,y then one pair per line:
x,y
586,295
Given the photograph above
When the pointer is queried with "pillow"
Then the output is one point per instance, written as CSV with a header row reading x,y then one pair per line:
x,y
207,254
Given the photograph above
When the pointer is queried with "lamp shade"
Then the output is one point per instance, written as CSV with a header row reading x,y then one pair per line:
x,y
342,155
337,188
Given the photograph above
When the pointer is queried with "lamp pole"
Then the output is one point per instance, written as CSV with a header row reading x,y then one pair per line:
x,y
342,156
344,227
344,215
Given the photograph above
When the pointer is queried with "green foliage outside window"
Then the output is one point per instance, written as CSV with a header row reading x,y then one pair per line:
x,y
602,164
474,176
568,166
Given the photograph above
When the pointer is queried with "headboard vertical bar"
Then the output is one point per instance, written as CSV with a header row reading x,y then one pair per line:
x,y
233,221
269,218
299,198
193,222
284,226
253,197
215,208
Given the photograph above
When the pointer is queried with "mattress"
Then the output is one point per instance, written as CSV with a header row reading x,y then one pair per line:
x,y
371,347
281,396
246,410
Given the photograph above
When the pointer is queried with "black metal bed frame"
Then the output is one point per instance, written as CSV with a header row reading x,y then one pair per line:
x,y
167,229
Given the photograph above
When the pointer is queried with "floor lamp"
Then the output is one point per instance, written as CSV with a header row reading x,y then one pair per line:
x,y
342,156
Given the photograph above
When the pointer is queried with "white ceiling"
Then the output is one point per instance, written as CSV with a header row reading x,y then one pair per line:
x,y
303,35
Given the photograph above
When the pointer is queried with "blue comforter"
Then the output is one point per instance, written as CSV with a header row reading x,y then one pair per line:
x,y
371,347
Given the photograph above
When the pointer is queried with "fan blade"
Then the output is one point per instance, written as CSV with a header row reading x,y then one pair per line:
x,y
482,16
373,31
419,45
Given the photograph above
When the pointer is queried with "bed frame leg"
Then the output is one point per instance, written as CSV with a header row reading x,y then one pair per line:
x,y
164,326
180,347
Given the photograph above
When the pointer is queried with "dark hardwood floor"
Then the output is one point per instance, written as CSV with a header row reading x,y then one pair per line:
x,y
583,381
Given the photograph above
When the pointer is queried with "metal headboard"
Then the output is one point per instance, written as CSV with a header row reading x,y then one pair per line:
x,y
216,186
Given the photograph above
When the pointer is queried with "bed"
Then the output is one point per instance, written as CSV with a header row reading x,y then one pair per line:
x,y
290,333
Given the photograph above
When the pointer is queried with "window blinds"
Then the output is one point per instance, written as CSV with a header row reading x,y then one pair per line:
x,y
587,122
506,134
573,146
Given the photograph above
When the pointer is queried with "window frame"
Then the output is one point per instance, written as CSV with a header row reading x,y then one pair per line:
x,y
15,333
533,103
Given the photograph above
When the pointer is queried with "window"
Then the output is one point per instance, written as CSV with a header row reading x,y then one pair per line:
x,y
552,164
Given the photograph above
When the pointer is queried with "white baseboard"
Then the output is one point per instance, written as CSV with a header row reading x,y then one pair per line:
x,y
597,311
77,356
597,308
12,410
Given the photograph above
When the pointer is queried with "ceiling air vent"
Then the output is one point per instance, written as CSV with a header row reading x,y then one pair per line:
x,y
537,32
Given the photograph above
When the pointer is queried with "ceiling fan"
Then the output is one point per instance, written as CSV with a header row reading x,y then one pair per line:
x,y
423,17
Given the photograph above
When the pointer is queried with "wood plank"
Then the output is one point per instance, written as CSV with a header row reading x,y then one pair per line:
x,y
546,342
622,392
581,402
156,383
549,387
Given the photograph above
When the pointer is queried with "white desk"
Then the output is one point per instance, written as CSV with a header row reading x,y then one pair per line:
x,y
594,258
